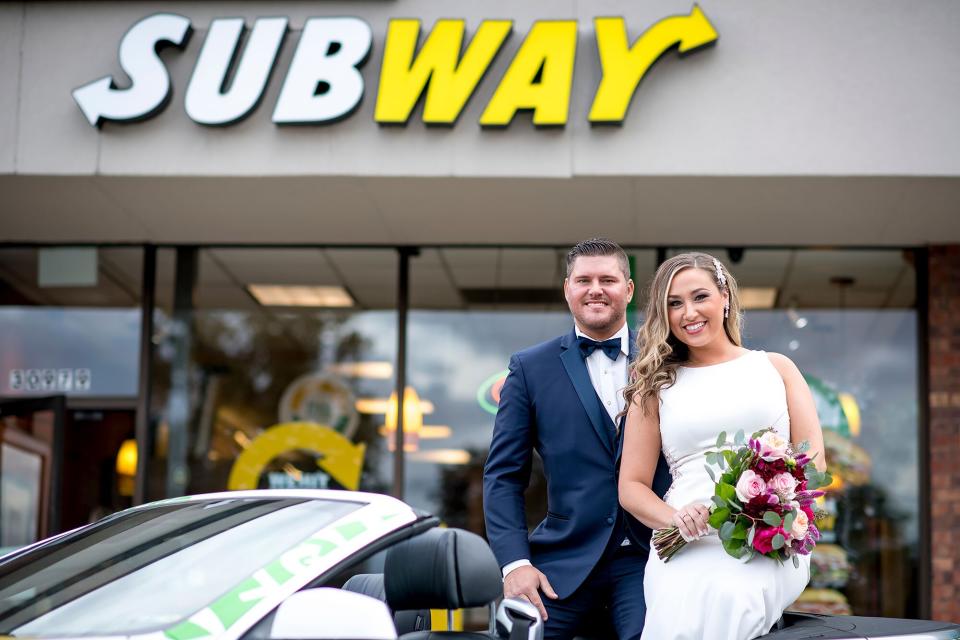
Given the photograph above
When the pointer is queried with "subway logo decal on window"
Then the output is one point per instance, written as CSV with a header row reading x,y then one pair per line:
x,y
442,67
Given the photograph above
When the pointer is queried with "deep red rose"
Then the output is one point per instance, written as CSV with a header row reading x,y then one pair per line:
x,y
768,470
757,506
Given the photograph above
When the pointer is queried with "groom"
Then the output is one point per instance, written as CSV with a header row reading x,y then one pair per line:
x,y
562,399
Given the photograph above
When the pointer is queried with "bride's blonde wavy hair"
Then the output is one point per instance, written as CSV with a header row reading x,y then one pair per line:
x,y
659,352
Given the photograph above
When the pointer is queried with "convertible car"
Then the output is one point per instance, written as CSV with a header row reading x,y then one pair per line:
x,y
295,564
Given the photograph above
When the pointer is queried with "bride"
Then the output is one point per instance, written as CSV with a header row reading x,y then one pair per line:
x,y
691,380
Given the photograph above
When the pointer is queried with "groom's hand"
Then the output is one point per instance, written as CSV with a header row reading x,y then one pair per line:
x,y
527,582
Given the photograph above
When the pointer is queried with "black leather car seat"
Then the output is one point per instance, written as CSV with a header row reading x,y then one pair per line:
x,y
442,569
371,584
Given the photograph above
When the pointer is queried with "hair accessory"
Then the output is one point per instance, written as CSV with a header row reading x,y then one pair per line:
x,y
721,279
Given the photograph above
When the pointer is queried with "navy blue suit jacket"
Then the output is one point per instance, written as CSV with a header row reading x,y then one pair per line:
x,y
548,404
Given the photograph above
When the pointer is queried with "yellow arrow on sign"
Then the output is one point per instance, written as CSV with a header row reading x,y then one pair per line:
x,y
342,459
624,66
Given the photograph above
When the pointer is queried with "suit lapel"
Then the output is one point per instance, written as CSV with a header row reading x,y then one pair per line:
x,y
580,377
623,418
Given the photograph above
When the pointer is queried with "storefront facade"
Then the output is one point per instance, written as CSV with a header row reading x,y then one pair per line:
x,y
235,255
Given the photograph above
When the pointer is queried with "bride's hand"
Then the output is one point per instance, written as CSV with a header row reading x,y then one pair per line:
x,y
692,520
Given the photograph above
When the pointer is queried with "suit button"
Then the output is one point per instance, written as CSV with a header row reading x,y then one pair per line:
x,y
610,520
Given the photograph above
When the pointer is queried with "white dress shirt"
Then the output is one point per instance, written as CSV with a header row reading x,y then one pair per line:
x,y
609,379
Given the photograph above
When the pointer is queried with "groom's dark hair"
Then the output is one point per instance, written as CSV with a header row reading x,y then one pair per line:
x,y
599,247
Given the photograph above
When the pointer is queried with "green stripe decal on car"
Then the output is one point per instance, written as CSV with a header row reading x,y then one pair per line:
x,y
238,601
267,583
351,530
187,631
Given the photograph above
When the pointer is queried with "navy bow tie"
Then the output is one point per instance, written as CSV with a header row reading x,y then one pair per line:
x,y
610,347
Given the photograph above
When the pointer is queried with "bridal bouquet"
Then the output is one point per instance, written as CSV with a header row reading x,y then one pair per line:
x,y
763,499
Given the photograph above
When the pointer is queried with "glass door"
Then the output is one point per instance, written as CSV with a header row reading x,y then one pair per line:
x,y
31,437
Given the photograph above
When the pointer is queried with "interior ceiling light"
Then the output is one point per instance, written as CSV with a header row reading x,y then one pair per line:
x,y
281,295
758,297
369,370
427,431
441,456
382,406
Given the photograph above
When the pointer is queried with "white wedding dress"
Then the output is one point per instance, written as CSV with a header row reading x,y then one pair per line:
x,y
703,593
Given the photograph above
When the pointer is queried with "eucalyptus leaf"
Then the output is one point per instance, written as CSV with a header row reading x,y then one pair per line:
x,y
788,520
796,562
817,479
726,530
721,462
778,541
721,439
713,478
750,534
720,502
711,457
772,518
739,439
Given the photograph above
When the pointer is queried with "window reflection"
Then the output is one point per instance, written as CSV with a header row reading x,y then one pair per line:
x,y
847,318
69,327
286,392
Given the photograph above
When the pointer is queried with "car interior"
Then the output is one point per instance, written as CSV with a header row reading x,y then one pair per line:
x,y
449,569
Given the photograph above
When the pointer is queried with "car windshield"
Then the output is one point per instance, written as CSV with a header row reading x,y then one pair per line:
x,y
152,568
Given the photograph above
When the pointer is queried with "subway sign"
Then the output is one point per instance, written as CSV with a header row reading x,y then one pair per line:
x,y
323,83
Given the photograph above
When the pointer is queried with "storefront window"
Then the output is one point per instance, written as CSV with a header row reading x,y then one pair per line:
x,y
69,357
848,320
276,368
471,309
290,368
63,332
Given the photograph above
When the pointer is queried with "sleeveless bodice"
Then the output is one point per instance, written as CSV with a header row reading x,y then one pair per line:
x,y
745,393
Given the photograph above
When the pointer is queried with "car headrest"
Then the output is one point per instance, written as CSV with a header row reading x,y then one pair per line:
x,y
441,569
369,584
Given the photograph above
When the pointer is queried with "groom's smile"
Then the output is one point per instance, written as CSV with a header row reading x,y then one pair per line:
x,y
597,292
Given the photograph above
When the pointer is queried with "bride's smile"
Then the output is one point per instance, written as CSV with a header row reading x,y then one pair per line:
x,y
695,308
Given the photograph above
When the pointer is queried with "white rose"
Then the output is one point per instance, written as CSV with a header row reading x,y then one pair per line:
x,y
800,525
773,446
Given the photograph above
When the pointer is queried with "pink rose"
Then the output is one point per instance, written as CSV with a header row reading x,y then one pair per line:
x,y
773,446
763,538
750,485
800,525
784,485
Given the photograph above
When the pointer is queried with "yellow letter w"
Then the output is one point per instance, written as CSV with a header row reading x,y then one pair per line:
x,y
437,69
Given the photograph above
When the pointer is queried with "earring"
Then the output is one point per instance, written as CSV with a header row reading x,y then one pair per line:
x,y
726,309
